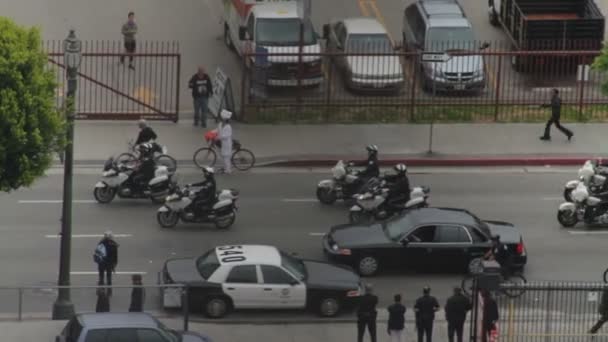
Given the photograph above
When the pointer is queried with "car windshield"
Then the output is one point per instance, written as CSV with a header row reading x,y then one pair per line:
x,y
294,265
396,227
207,264
168,334
450,38
368,43
282,32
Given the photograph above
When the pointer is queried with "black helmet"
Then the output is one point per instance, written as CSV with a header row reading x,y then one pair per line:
x,y
401,169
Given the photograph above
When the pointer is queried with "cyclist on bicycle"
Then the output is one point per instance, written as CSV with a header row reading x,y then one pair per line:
x,y
501,254
146,134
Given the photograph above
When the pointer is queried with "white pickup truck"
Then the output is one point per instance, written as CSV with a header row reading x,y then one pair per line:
x,y
274,25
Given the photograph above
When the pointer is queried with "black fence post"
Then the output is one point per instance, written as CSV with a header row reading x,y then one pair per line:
x,y
185,306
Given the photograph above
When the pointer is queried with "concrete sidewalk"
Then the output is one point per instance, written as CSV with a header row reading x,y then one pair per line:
x,y
320,145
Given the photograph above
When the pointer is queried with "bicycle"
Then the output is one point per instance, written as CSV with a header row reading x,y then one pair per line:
x,y
476,269
161,159
606,276
242,159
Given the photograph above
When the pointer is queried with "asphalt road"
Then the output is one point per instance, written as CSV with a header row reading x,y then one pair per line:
x,y
279,209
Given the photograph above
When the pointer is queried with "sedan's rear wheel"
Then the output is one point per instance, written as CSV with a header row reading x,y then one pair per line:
x,y
367,265
329,306
216,307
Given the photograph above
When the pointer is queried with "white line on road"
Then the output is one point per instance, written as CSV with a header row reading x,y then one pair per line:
x,y
588,232
53,201
88,236
299,200
317,234
117,273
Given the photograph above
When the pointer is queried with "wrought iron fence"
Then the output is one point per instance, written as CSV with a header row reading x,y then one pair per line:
x,y
111,90
551,312
444,82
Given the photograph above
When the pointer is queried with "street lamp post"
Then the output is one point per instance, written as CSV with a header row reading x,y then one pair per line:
x,y
63,308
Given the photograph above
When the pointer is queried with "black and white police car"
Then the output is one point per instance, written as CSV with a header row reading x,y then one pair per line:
x,y
258,277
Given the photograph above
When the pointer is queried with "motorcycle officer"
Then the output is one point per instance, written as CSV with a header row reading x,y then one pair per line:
x,y
371,166
398,185
206,195
146,167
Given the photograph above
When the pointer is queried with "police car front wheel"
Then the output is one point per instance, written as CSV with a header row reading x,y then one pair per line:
x,y
216,307
329,306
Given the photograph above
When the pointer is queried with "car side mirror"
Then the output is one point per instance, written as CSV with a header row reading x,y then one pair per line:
x,y
484,46
405,242
326,31
243,33
294,282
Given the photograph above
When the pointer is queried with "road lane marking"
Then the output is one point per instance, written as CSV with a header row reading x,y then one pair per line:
x,y
317,234
298,200
117,273
54,201
587,232
77,236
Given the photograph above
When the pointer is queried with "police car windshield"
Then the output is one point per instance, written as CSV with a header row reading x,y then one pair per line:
x,y
295,266
207,264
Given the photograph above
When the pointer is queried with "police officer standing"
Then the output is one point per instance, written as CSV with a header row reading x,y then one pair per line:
x,y
366,314
425,314
456,310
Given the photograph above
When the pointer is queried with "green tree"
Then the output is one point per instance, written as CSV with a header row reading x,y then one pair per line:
x,y
601,63
31,127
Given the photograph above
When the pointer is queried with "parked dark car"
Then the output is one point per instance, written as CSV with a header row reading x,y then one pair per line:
x,y
425,238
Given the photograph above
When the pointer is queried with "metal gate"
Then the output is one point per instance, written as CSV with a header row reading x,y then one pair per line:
x,y
111,90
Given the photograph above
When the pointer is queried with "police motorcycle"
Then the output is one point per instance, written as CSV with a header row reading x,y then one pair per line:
x,y
118,178
181,206
593,176
344,184
584,207
374,204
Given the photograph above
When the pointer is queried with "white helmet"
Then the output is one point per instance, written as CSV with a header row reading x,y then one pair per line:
x,y
400,168
225,114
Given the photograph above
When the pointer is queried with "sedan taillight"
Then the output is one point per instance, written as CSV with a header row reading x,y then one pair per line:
x,y
519,249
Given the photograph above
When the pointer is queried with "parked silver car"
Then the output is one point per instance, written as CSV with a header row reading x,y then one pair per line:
x,y
353,36
441,27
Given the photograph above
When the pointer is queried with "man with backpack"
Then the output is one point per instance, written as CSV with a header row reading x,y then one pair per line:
x,y
106,257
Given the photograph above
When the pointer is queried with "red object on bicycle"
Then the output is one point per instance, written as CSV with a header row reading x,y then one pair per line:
x,y
211,135
494,333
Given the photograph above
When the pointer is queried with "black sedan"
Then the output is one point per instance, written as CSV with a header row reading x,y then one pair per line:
x,y
425,238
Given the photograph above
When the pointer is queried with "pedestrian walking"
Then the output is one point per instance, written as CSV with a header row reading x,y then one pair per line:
x,y
366,314
425,314
138,294
106,257
396,319
103,300
225,136
603,311
202,88
456,309
490,315
129,30
556,108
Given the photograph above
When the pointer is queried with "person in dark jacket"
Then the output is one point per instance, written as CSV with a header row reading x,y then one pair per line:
x,y
603,311
206,196
138,294
371,164
109,262
146,134
202,88
425,309
103,300
556,107
490,315
456,309
396,319
398,185
366,314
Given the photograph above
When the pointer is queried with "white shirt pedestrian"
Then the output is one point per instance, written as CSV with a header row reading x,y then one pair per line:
x,y
225,136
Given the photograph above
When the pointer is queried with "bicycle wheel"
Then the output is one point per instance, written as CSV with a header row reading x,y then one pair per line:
x,y
516,280
606,276
204,157
243,159
126,158
467,284
168,161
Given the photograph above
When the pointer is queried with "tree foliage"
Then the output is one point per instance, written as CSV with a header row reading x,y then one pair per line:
x,y
601,63
31,127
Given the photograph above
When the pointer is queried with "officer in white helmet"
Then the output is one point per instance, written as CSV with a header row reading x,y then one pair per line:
x,y
225,136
